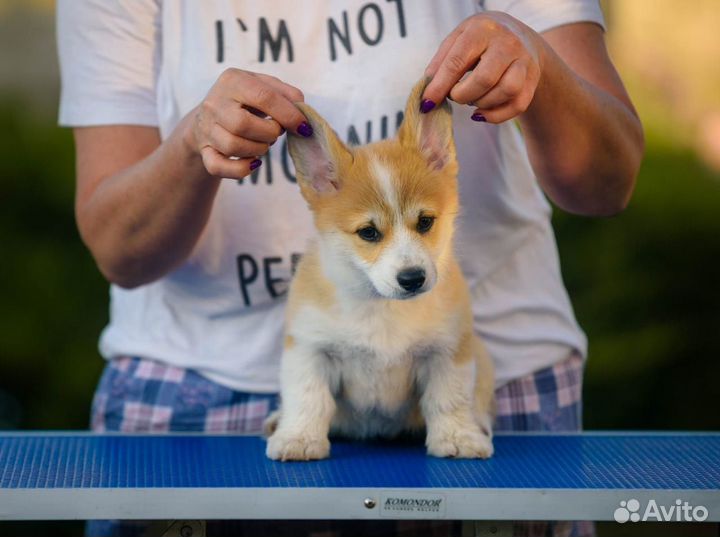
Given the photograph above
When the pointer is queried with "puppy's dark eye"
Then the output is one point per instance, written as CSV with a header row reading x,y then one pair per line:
x,y
369,234
425,223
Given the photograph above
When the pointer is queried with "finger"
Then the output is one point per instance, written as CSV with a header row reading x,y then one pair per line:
x,y
240,122
290,92
461,57
486,75
267,99
234,146
442,51
510,85
495,115
506,111
219,165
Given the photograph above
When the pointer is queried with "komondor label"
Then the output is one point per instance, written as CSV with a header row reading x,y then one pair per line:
x,y
415,505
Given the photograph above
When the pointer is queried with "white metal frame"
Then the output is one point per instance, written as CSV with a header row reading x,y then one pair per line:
x,y
334,503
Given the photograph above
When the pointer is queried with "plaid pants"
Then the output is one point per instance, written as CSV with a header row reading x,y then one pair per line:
x,y
141,395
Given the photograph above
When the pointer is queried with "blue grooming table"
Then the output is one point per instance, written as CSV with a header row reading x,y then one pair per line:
x,y
531,477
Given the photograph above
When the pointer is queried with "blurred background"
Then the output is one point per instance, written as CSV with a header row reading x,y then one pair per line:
x,y
645,284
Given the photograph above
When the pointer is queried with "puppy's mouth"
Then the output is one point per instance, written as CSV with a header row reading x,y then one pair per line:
x,y
407,295
402,294
398,294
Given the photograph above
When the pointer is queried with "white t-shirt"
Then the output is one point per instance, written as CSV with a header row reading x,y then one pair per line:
x,y
146,62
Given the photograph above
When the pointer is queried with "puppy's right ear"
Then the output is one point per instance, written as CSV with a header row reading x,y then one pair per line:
x,y
318,158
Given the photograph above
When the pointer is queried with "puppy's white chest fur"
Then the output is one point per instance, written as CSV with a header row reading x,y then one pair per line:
x,y
374,364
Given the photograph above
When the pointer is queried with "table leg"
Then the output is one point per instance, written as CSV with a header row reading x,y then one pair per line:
x,y
485,528
178,528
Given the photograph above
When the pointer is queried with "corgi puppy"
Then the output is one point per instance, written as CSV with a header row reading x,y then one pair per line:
x,y
379,334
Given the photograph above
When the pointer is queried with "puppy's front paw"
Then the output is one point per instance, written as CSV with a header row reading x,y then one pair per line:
x,y
296,447
465,444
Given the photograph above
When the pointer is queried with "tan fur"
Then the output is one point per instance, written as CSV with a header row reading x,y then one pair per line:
x,y
315,289
349,355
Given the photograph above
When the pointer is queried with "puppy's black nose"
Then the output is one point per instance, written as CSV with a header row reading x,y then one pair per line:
x,y
411,279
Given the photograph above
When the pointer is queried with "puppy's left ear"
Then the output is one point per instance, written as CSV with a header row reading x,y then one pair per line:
x,y
318,158
431,133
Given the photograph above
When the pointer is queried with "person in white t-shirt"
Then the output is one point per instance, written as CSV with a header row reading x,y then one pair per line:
x,y
187,199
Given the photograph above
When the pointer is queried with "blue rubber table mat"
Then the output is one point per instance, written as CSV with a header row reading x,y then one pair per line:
x,y
586,461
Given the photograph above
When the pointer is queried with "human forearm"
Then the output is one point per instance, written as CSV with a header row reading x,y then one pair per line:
x,y
584,143
144,220
141,205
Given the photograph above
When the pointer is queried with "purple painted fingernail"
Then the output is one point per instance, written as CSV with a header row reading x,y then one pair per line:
x,y
426,106
477,116
255,164
305,129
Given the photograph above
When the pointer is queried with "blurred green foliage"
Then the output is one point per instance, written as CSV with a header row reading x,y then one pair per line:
x,y
54,302
646,289
644,284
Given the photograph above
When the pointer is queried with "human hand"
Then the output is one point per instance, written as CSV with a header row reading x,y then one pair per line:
x,y
240,118
503,61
